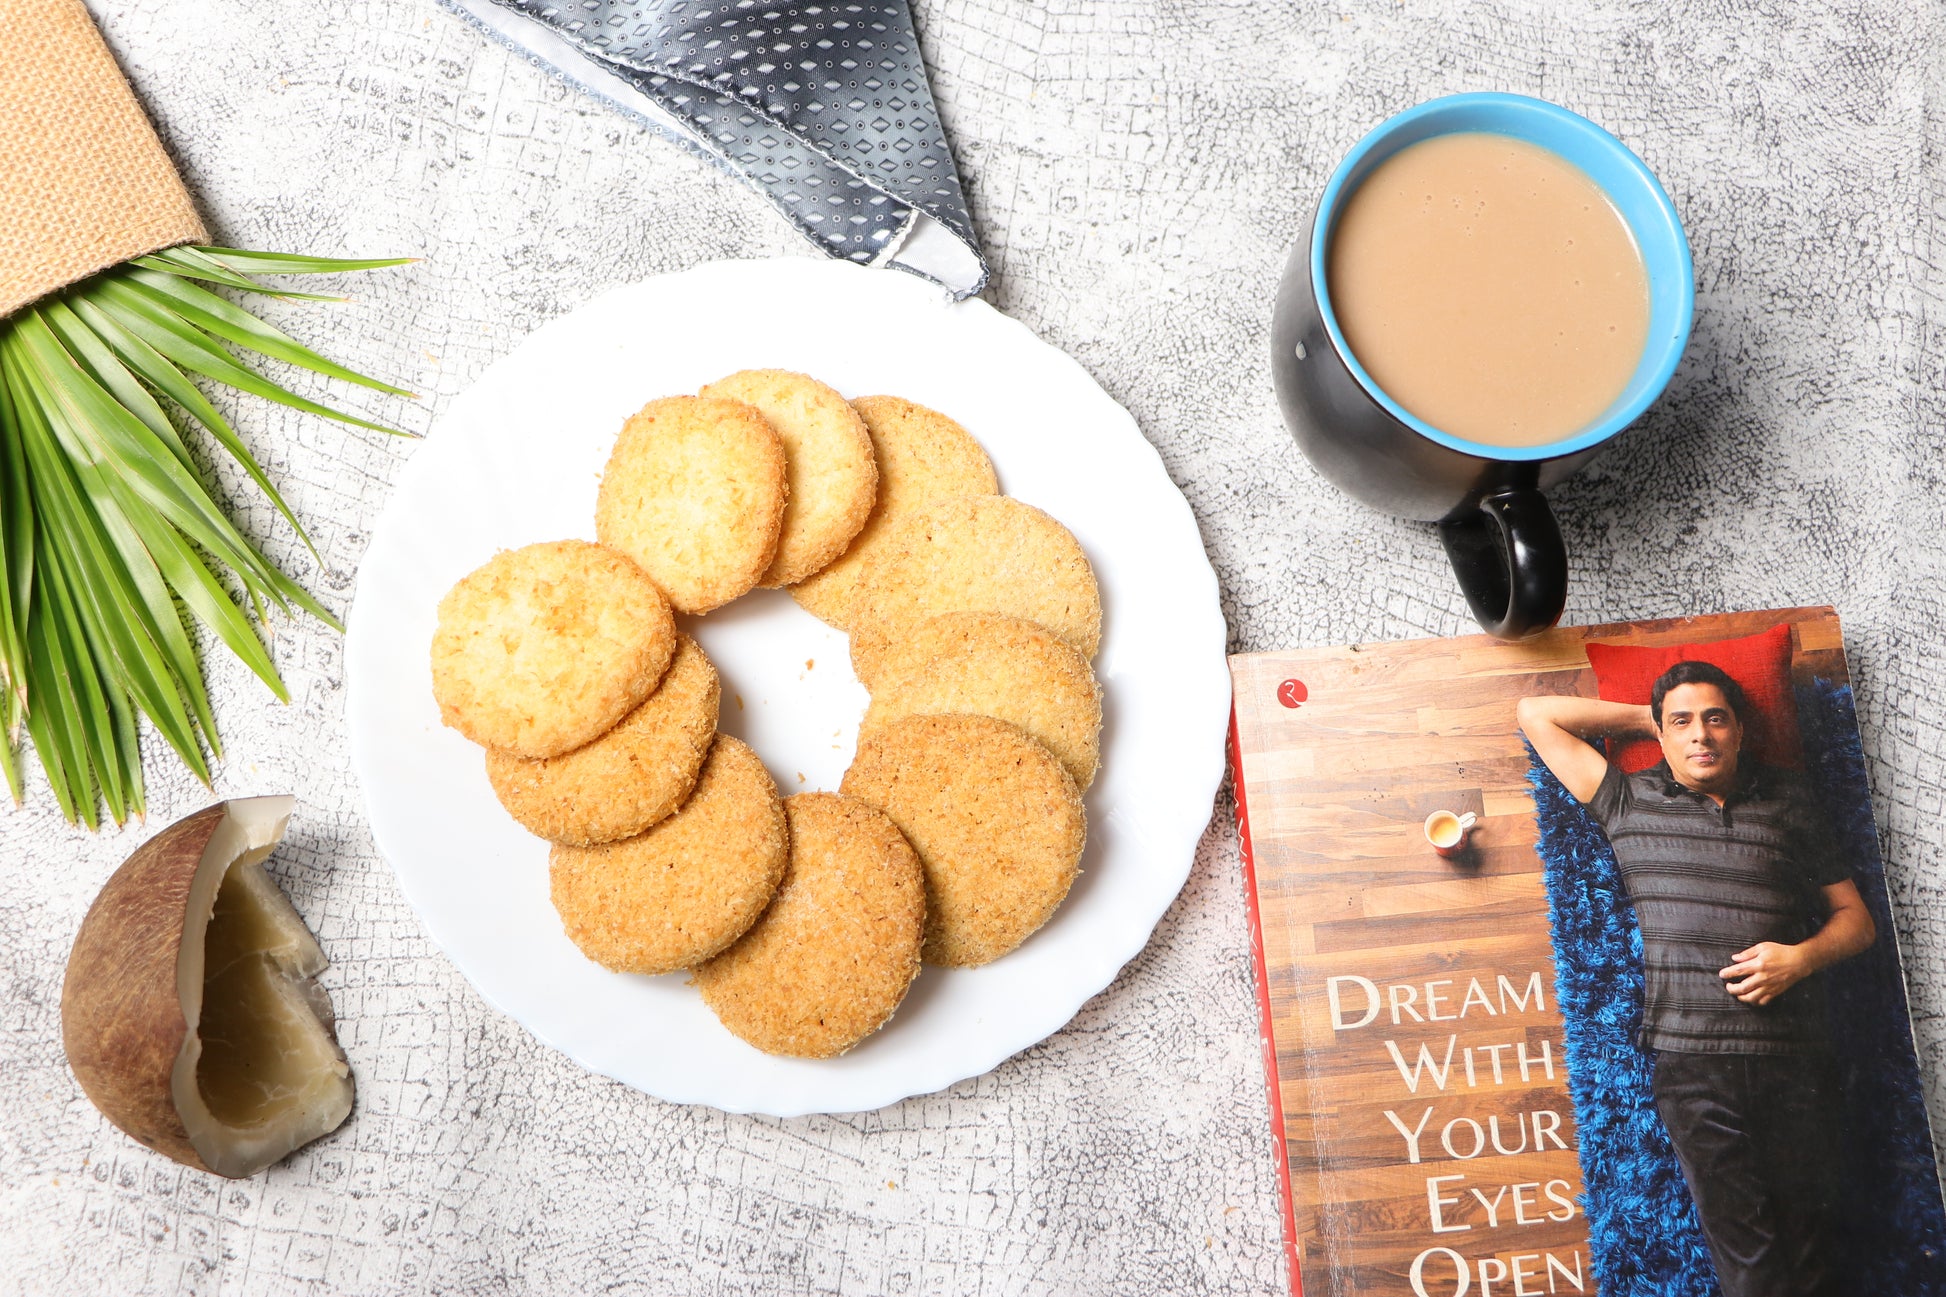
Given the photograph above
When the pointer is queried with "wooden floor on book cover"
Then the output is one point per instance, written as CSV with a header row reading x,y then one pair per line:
x,y
1411,998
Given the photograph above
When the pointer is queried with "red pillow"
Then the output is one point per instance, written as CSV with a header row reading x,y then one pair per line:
x,y
1761,663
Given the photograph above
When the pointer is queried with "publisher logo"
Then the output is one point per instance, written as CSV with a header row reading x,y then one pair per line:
x,y
1292,693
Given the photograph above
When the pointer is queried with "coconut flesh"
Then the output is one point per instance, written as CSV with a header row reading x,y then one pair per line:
x,y
191,1010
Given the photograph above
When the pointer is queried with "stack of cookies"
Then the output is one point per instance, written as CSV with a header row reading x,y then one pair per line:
x,y
972,618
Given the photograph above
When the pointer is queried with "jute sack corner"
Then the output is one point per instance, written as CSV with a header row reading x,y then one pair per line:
x,y
84,183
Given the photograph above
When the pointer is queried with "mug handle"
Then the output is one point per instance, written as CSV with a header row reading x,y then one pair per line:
x,y
1511,564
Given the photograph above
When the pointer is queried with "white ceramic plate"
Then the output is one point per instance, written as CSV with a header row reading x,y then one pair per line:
x,y
516,460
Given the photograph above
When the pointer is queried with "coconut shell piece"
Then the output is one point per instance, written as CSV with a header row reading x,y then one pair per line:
x,y
191,1012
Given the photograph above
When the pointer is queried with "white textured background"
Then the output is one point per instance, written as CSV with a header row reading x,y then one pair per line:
x,y
1137,172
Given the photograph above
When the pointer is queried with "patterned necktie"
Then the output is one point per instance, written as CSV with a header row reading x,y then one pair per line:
x,y
824,107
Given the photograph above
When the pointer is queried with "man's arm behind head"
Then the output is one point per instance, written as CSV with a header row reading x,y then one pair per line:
x,y
1560,725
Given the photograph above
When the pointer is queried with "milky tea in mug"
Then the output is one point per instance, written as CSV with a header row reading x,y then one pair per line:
x,y
1491,288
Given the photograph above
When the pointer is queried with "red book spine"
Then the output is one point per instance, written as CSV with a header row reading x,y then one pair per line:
x,y
1271,1087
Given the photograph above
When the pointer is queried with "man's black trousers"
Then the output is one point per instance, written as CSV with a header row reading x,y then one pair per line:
x,y
1756,1136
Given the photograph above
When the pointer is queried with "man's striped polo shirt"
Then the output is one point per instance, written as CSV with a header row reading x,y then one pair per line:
x,y
1709,881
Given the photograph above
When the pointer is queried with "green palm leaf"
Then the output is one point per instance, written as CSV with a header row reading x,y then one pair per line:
x,y
131,617
186,345
192,263
284,263
16,558
210,313
152,368
110,541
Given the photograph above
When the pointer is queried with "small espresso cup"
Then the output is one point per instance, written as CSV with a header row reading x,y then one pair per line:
x,y
1498,530
1448,832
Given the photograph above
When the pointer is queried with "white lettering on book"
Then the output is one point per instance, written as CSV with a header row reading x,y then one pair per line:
x,y
1481,1064
1439,1129
1524,1274
1435,1200
1406,1000
1411,1136
1541,1125
1426,1065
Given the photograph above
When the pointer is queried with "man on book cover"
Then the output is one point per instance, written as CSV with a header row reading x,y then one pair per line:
x,y
1741,901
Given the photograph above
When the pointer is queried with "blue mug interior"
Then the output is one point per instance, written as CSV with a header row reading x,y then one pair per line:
x,y
1629,185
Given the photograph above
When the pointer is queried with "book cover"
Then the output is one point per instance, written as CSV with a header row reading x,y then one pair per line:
x,y
1503,1059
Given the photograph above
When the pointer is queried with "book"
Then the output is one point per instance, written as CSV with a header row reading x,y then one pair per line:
x,y
1460,1075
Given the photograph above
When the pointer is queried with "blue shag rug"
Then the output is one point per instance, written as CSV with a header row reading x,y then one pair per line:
x,y
1642,1227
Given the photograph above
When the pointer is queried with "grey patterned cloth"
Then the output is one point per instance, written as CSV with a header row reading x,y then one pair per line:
x,y
824,107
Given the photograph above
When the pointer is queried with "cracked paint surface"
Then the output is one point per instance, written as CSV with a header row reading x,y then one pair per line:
x,y
1137,172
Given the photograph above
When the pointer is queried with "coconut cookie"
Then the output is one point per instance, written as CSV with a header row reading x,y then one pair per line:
x,y
695,493
629,778
922,456
834,954
833,477
679,893
995,819
543,648
990,664
974,554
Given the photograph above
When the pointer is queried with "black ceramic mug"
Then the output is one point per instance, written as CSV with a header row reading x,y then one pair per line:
x,y
1498,529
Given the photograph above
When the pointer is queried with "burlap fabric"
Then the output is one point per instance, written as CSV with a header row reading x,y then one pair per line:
x,y
84,183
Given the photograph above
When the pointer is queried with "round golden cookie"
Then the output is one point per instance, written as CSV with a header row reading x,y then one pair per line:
x,y
922,456
542,648
630,777
995,819
833,956
679,893
990,664
694,491
833,478
980,553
